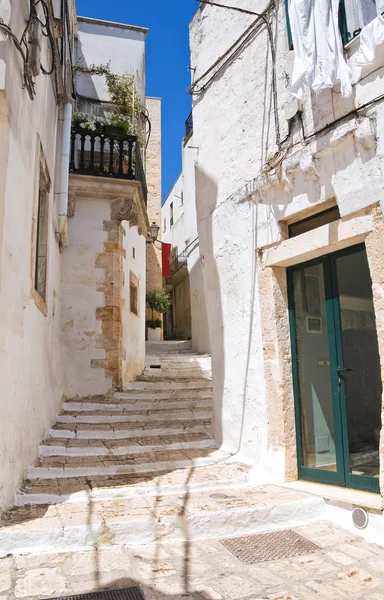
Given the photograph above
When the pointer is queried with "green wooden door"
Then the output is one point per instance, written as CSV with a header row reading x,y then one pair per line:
x,y
336,370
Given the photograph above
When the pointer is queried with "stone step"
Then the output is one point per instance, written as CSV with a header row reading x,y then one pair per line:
x,y
79,447
179,362
105,417
174,377
174,347
120,431
160,395
175,369
75,489
158,386
137,406
186,516
52,467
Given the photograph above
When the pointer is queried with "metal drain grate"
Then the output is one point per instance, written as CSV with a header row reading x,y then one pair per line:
x,y
132,593
269,546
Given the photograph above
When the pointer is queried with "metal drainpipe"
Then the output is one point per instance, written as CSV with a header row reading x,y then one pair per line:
x,y
64,174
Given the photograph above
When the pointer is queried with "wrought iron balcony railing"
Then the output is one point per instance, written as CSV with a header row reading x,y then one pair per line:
x,y
179,261
189,125
105,154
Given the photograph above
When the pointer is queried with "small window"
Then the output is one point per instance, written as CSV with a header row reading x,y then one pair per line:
x,y
171,214
133,293
133,253
40,236
181,199
133,298
356,14
310,223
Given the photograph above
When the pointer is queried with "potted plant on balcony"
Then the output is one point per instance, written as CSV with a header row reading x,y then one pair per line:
x,y
157,301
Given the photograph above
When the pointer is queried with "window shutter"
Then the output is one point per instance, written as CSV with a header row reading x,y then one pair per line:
x,y
289,32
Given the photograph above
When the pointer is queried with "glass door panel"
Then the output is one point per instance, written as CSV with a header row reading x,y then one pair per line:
x,y
360,374
313,363
336,370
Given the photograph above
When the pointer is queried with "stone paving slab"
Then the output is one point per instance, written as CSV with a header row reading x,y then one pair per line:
x,y
345,568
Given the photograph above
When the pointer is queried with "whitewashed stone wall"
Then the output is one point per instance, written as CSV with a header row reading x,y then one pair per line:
x,y
120,45
184,235
133,325
242,210
31,381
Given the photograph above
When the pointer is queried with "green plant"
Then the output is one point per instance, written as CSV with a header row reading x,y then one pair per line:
x,y
154,323
127,111
158,301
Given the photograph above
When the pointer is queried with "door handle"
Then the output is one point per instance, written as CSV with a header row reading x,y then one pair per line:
x,y
341,371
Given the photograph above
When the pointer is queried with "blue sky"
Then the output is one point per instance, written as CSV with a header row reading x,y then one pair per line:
x,y
167,62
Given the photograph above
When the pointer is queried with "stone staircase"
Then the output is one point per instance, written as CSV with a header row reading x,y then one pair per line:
x,y
140,467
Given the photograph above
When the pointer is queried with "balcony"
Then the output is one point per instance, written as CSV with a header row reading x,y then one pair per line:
x,y
179,269
107,153
189,126
179,261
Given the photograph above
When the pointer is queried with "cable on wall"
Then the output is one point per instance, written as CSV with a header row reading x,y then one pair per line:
x,y
236,47
23,44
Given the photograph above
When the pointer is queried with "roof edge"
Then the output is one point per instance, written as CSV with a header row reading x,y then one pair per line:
x,y
112,24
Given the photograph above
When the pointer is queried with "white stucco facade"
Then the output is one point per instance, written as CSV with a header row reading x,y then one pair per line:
x,y
69,339
133,323
244,205
182,234
30,356
102,42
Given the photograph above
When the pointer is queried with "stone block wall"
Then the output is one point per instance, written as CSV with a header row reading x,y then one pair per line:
x,y
154,277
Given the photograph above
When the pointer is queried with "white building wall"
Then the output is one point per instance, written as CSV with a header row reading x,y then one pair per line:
x,y
239,210
31,381
81,330
101,42
184,235
133,325
176,233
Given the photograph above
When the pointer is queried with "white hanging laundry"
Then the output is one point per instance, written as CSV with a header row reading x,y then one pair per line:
x,y
370,37
319,60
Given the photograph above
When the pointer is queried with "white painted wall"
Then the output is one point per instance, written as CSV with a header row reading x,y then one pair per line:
x,y
183,235
31,381
134,325
100,42
238,210
81,330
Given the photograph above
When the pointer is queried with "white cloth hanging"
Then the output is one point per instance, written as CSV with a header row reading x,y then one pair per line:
x,y
370,37
319,59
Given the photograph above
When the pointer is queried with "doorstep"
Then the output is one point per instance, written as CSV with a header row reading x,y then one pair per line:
x,y
348,496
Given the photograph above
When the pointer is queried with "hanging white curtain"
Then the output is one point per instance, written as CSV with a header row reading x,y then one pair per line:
x,y
370,37
319,58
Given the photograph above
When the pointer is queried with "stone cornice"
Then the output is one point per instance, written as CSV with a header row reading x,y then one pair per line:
x,y
126,197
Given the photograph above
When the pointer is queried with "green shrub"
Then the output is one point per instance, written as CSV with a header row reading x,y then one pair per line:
x,y
154,323
158,301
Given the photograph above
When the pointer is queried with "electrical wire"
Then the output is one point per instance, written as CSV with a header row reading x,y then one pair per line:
x,y
28,83
232,49
47,33
67,24
236,8
231,53
329,126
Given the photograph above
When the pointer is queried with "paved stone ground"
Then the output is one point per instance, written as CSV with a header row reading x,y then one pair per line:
x,y
346,567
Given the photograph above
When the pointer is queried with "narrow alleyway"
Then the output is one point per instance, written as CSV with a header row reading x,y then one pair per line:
x,y
131,488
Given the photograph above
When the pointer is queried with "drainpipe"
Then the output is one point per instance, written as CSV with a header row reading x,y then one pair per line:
x,y
64,174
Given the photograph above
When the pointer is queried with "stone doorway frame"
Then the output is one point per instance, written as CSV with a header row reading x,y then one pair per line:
x,y
365,226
